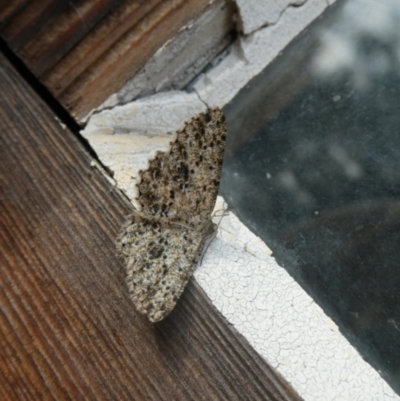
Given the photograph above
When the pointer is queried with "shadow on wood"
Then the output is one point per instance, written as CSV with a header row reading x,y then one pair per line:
x,y
68,329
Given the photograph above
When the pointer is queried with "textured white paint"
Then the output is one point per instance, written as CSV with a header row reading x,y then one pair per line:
x,y
252,53
111,132
179,60
248,56
238,273
281,321
257,13
125,137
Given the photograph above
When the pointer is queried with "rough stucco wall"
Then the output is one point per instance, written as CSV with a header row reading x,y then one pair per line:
x,y
238,273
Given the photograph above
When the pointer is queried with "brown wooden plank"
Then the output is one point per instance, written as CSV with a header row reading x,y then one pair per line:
x,y
68,330
84,51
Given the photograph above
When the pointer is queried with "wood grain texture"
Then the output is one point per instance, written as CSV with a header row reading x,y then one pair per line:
x,y
84,51
68,330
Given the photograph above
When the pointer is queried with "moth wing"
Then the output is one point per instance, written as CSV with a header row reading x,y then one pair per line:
x,y
160,258
185,180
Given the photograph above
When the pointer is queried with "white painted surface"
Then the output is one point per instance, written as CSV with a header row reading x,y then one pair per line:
x,y
247,57
281,321
238,273
125,137
257,13
252,53
176,63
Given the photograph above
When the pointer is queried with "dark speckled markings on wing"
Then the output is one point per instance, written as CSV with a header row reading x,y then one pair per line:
x,y
162,243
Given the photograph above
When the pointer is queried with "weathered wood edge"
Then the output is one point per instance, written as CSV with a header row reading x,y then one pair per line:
x,y
67,327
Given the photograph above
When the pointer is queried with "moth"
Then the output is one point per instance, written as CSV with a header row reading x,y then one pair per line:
x,y
162,243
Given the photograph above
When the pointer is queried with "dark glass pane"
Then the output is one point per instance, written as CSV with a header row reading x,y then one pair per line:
x,y
313,167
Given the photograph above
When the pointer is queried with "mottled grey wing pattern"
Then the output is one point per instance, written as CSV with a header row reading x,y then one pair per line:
x,y
160,257
162,243
185,180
